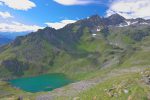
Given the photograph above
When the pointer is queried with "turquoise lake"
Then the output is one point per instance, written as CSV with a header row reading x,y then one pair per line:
x,y
41,83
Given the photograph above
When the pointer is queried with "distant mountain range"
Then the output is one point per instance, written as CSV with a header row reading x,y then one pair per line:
x,y
13,35
4,40
84,46
7,37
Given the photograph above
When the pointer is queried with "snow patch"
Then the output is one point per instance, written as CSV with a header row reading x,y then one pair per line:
x,y
128,23
98,29
134,22
144,23
131,23
122,25
94,35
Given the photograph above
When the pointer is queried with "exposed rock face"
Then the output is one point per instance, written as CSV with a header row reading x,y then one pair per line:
x,y
115,19
146,77
15,66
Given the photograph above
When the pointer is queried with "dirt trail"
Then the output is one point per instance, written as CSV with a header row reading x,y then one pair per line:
x,y
75,88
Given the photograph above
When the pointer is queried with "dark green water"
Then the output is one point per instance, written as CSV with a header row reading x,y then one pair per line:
x,y
40,83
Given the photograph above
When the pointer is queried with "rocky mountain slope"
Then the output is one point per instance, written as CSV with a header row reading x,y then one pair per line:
x,y
108,57
87,45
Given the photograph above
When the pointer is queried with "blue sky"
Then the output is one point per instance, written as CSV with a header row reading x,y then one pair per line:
x,y
30,15
48,10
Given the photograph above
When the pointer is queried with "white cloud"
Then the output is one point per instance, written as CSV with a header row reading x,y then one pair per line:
x,y
5,15
18,27
130,8
76,2
19,4
1,4
61,24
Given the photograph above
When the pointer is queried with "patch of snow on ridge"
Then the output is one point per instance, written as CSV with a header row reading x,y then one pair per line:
x,y
131,23
134,22
122,25
128,22
98,29
144,23
94,35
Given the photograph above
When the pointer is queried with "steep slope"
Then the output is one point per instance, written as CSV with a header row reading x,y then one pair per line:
x,y
76,49
108,56
41,49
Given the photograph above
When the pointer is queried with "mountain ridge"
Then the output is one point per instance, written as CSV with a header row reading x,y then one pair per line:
x,y
107,58
85,46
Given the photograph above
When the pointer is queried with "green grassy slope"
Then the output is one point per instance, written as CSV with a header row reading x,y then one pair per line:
x,y
124,87
82,53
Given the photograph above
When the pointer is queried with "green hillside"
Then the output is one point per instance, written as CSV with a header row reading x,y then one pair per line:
x,y
83,53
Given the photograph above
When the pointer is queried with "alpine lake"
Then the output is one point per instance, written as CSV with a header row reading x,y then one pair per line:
x,y
47,82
